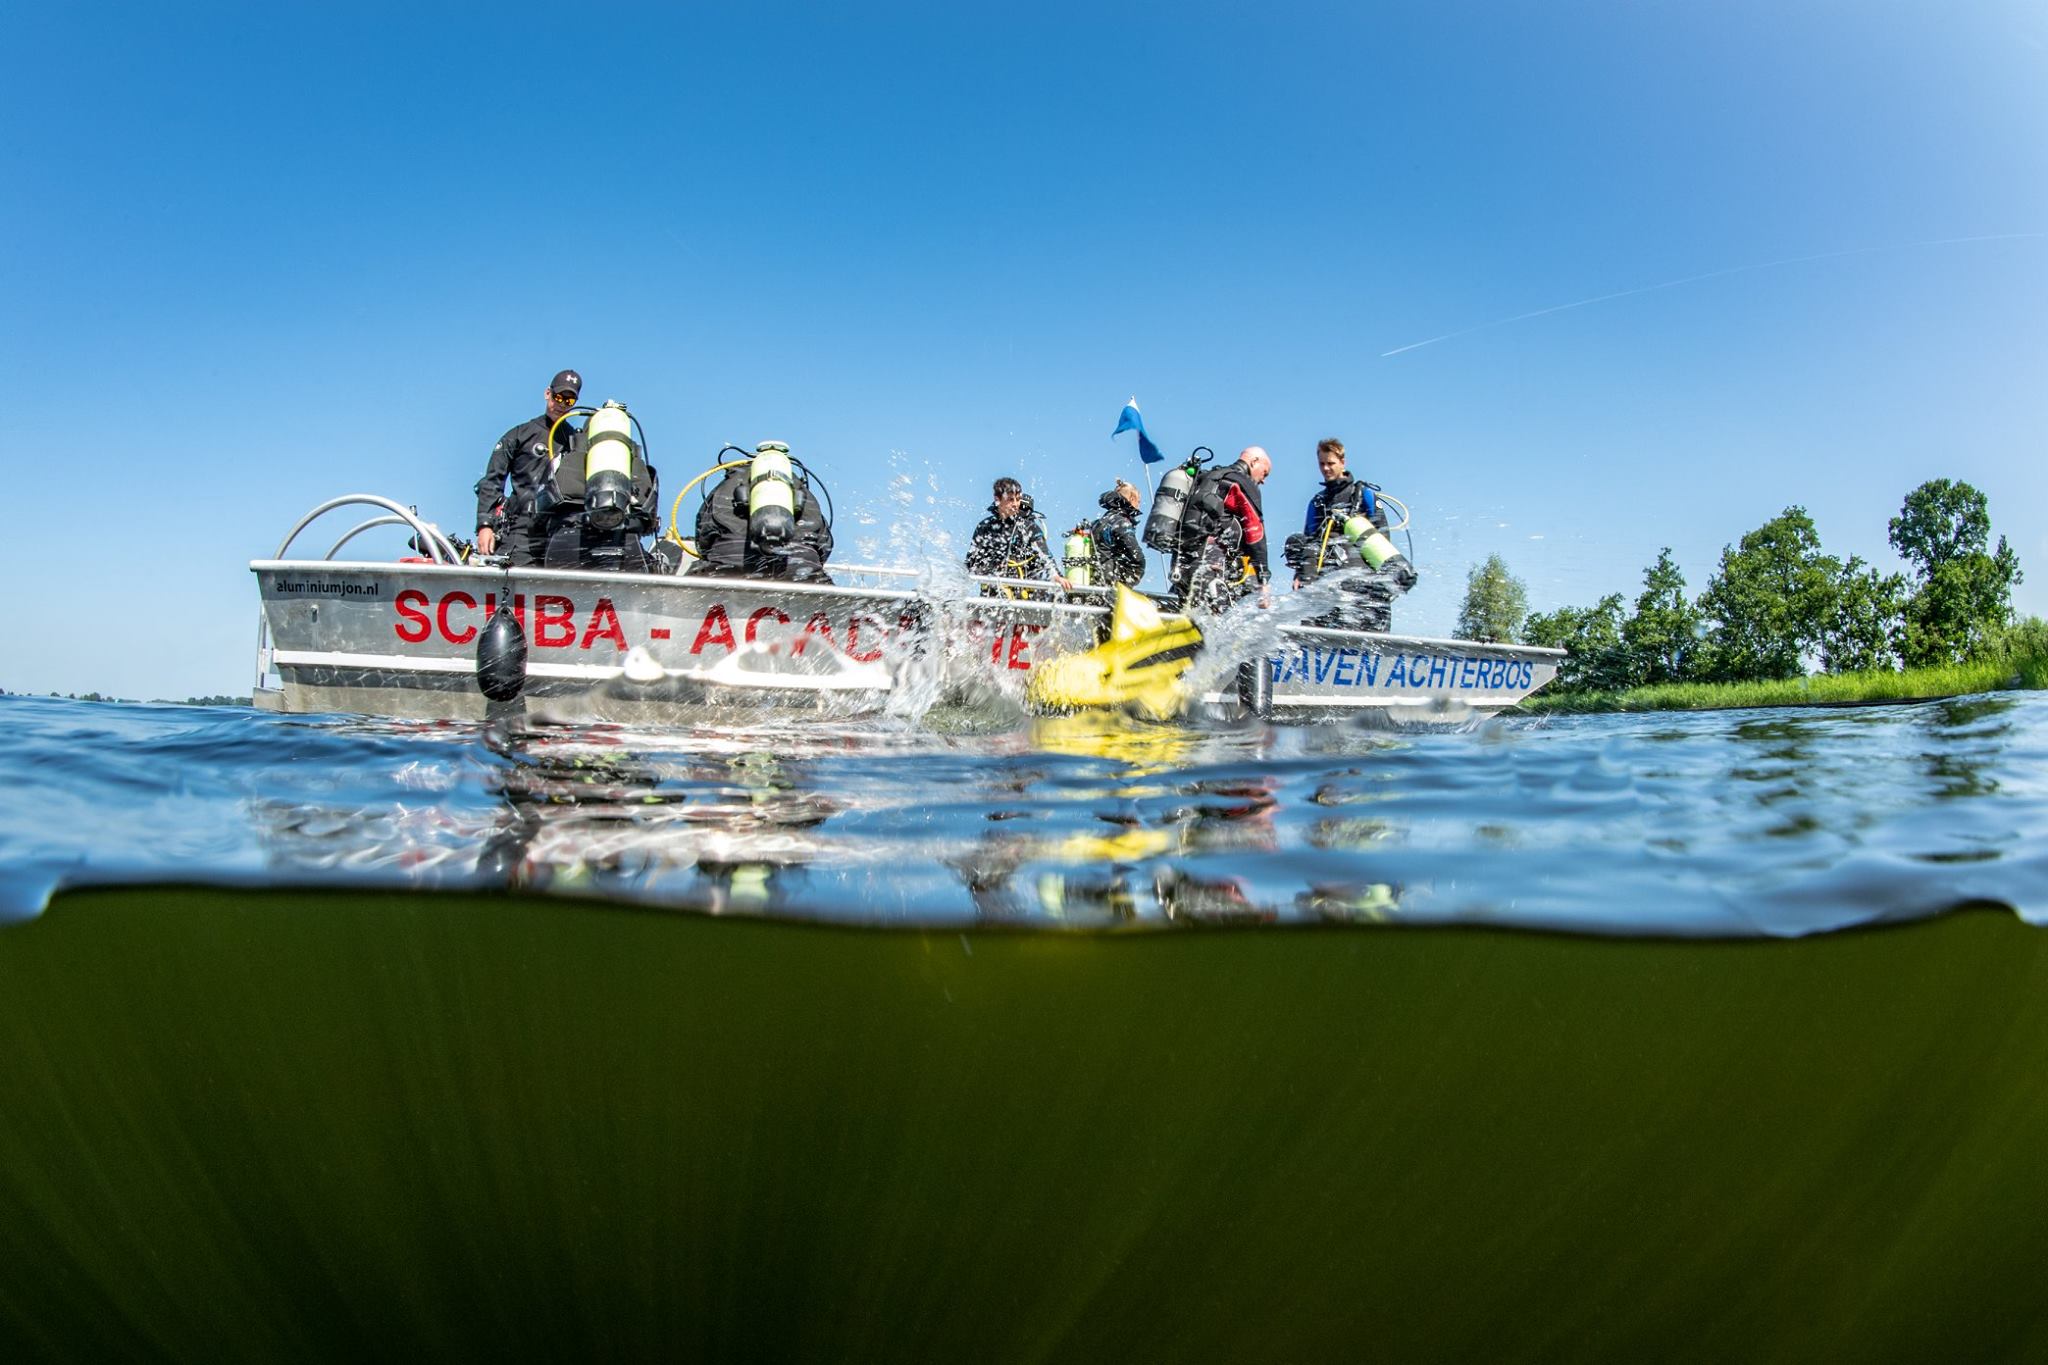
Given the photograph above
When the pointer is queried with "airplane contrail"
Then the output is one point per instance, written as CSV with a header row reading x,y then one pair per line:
x,y
1712,275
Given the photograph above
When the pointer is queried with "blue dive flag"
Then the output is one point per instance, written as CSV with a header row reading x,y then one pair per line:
x,y
1131,421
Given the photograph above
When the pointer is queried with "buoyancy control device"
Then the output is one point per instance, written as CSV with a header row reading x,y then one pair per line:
x,y
1169,505
608,450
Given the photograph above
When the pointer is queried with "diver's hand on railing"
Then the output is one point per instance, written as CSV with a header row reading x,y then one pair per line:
x,y
486,541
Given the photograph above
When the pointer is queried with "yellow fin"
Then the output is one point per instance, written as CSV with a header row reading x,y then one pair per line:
x,y
1140,665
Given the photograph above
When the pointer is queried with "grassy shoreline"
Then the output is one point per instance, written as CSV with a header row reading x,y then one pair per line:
x,y
1824,689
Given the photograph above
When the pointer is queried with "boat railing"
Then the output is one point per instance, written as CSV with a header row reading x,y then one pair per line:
x,y
430,537
427,536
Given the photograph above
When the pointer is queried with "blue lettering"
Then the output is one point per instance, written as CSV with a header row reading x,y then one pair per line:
x,y
1439,669
1465,672
1324,662
1346,674
1398,674
1368,669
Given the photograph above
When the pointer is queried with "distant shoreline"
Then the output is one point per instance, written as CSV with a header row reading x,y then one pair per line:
x,y
1881,688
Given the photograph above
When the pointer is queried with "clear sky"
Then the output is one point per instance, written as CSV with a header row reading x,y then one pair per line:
x,y
253,256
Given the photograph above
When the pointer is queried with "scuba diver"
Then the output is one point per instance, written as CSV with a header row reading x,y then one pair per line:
x,y
764,520
601,499
1010,542
1220,547
506,521
1345,533
1105,552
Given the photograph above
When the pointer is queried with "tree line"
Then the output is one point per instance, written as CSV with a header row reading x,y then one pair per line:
x,y
1778,606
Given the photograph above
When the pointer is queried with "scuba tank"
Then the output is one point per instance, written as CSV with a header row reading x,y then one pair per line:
x,y
608,452
1079,551
771,495
1162,528
1372,542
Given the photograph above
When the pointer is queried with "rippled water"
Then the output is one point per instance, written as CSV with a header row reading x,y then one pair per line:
x,y
1730,823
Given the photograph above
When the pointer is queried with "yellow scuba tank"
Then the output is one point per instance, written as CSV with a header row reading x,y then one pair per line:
x,y
1079,552
608,467
771,495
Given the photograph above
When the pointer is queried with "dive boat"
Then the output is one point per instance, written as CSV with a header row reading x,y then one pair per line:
x,y
432,637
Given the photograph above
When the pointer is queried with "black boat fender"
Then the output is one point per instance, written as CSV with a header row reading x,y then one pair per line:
x,y
501,656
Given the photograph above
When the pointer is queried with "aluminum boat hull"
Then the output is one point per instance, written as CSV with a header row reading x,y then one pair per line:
x,y
401,639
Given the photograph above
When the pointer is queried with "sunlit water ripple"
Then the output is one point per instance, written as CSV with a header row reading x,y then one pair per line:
x,y
1735,823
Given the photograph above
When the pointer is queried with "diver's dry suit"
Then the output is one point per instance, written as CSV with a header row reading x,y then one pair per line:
x,y
1118,556
1221,555
521,458
573,544
1322,550
1010,547
725,548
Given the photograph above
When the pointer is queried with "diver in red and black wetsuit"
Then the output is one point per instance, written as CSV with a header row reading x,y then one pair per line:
x,y
1222,550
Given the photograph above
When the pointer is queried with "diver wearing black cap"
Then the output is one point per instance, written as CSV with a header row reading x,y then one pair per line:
x,y
507,520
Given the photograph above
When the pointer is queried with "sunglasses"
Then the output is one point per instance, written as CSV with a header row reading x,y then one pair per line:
x,y
561,397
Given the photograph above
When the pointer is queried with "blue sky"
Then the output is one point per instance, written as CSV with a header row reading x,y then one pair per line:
x,y
255,256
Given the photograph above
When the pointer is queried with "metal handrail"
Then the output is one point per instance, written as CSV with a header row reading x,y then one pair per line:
x,y
431,538
371,523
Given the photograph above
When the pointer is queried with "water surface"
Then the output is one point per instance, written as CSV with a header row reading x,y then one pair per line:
x,y
1736,823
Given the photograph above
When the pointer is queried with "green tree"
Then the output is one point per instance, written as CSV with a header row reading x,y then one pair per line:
x,y
1598,661
2026,639
1771,604
1495,603
1962,602
1863,633
1662,637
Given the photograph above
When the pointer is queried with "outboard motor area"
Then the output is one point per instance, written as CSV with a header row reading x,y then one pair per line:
x,y
771,495
608,451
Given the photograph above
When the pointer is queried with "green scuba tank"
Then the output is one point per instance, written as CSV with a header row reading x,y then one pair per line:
x,y
1079,551
1371,541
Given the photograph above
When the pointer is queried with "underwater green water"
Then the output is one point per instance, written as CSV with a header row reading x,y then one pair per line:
x,y
297,1124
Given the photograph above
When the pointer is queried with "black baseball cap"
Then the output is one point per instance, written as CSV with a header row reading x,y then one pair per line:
x,y
566,381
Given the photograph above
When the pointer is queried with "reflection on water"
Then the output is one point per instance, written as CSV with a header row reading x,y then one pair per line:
x,y
1775,822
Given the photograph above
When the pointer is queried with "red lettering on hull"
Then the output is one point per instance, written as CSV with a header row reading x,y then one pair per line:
x,y
554,621
761,614
412,626
716,630
453,636
820,626
604,625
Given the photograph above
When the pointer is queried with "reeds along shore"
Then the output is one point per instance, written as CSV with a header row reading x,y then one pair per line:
x,y
1821,689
